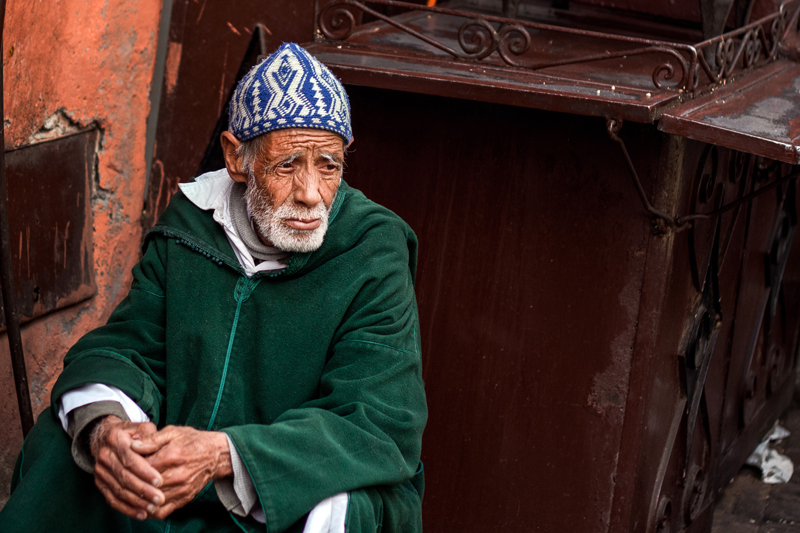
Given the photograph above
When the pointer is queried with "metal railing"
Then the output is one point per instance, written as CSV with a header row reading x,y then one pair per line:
x,y
481,35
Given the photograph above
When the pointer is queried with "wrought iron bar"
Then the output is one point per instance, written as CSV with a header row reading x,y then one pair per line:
x,y
7,275
792,22
736,203
780,14
665,220
482,35
751,44
664,71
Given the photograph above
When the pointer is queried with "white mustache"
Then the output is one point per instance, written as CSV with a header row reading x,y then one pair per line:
x,y
288,210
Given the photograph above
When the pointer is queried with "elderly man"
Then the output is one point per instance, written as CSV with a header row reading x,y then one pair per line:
x,y
264,370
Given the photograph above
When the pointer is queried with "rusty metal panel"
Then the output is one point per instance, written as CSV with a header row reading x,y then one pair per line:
x,y
696,423
581,368
50,218
529,280
757,114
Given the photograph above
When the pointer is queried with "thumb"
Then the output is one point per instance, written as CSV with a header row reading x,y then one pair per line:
x,y
150,444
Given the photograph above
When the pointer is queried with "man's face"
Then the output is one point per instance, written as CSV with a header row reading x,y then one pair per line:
x,y
294,181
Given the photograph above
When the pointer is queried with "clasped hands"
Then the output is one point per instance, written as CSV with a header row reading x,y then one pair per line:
x,y
145,472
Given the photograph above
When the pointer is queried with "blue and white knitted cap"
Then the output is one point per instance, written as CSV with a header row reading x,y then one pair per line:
x,y
289,89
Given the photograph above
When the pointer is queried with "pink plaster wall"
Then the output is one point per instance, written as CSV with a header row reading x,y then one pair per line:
x,y
85,61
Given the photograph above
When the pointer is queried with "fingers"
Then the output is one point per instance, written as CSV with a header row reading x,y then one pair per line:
x,y
130,472
144,430
113,499
146,446
119,442
154,441
167,459
135,460
165,510
137,465
177,497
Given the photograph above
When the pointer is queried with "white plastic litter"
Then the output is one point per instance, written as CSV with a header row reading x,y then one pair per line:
x,y
775,467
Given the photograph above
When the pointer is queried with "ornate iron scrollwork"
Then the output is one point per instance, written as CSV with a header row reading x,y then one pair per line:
x,y
477,38
783,235
776,369
749,400
738,180
754,44
515,40
695,492
664,515
701,340
707,196
336,21
481,35
698,462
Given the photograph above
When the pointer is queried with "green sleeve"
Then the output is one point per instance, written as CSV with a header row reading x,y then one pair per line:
x,y
128,351
363,433
388,509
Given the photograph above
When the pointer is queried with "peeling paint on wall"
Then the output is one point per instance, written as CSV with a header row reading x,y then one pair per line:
x,y
56,125
68,65
172,66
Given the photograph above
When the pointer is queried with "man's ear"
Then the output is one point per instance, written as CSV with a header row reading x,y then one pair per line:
x,y
232,161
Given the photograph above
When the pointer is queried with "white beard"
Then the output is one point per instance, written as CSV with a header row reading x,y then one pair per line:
x,y
270,223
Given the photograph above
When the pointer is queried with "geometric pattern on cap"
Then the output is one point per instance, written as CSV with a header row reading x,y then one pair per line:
x,y
289,89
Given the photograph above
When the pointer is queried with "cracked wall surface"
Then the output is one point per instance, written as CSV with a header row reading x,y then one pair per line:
x,y
69,65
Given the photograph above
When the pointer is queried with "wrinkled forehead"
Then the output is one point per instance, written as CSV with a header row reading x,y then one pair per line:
x,y
300,140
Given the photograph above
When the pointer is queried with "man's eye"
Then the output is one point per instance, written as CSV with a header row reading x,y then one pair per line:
x,y
331,167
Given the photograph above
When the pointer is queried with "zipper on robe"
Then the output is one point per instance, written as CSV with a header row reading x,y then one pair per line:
x,y
244,288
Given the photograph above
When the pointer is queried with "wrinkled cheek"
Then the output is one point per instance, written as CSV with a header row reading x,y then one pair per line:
x,y
330,190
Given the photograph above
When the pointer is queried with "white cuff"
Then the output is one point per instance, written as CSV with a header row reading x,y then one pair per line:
x,y
98,392
239,495
329,515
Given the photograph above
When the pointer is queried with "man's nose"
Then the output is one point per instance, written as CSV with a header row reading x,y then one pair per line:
x,y
306,188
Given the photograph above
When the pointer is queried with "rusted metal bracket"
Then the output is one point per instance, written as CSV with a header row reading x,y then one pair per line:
x,y
664,220
7,277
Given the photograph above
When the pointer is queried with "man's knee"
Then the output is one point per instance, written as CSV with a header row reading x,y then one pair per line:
x,y
47,487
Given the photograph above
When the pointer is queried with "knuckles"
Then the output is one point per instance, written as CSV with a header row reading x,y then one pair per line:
x,y
171,455
104,455
162,512
126,460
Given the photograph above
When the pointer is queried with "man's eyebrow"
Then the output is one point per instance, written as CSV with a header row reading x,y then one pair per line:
x,y
332,157
288,159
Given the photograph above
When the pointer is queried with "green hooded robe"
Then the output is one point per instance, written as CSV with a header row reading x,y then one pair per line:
x,y
313,371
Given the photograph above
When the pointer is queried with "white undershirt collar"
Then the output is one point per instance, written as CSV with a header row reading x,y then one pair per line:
x,y
212,190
